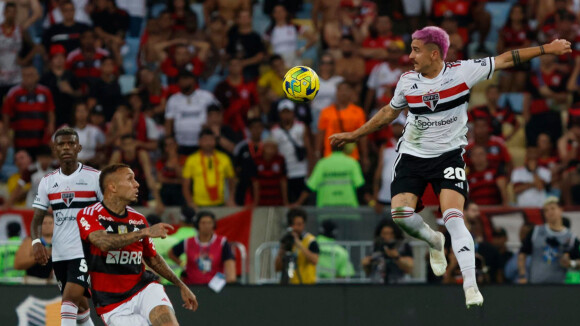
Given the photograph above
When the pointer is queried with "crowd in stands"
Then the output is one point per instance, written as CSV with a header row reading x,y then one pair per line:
x,y
189,96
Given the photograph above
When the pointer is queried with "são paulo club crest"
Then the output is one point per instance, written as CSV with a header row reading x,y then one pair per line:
x,y
67,198
431,100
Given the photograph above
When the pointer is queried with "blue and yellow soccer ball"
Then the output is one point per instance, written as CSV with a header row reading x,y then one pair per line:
x,y
301,84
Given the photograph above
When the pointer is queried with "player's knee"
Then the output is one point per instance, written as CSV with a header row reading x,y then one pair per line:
x,y
163,316
400,212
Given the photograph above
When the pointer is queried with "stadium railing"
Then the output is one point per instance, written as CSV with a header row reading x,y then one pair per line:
x,y
265,257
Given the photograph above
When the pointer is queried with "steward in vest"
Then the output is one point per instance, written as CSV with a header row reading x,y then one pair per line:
x,y
207,254
298,254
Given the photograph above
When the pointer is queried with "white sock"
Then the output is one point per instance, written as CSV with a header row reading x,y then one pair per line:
x,y
462,243
413,224
84,319
68,313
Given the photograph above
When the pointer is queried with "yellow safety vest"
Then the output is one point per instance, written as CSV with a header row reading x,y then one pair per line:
x,y
304,268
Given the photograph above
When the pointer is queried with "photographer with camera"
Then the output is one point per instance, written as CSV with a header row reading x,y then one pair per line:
x,y
299,251
392,258
552,246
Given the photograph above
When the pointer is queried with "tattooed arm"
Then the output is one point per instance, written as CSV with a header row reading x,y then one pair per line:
x,y
385,116
105,241
516,57
158,264
38,249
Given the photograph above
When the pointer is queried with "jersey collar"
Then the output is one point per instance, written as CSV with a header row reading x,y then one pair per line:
x,y
115,214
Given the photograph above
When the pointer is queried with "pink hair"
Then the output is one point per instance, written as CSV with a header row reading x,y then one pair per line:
x,y
434,35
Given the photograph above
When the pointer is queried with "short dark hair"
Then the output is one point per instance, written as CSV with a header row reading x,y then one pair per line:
x,y
43,150
274,58
206,132
201,215
10,5
66,131
255,120
109,170
294,213
13,229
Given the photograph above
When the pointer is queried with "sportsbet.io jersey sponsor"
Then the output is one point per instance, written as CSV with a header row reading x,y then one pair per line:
x,y
67,195
437,119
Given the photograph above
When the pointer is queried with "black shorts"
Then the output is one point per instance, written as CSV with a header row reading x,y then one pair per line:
x,y
412,174
73,271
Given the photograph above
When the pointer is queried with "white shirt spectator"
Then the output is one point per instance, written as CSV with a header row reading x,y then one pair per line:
x,y
531,197
295,168
381,77
135,8
90,137
9,47
81,15
326,96
189,114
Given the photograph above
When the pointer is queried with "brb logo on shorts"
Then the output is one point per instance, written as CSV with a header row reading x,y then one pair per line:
x,y
431,100
124,257
67,198
423,123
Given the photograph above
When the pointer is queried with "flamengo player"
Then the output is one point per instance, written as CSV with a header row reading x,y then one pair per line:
x,y
430,150
67,190
117,240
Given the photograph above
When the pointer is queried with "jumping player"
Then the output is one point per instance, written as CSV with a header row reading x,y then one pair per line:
x,y
67,190
431,148
117,240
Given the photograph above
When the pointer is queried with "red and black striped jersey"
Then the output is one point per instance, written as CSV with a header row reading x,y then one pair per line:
x,y
28,112
483,189
116,275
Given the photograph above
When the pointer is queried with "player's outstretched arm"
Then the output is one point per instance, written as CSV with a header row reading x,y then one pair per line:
x,y
385,116
515,57
38,249
158,264
106,241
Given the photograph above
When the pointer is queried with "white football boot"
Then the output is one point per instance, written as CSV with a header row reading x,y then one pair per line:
x,y
437,258
473,297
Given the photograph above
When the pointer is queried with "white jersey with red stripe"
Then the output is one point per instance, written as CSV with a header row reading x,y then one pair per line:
x,y
67,195
437,119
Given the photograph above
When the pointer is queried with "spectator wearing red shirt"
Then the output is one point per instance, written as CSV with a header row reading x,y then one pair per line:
x,y
471,14
486,185
375,45
237,96
560,13
180,57
547,155
269,180
515,34
547,87
86,61
498,156
574,88
569,151
169,171
152,91
29,110
495,115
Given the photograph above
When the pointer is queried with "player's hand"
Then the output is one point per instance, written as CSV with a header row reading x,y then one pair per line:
x,y
559,47
40,254
342,139
158,230
189,299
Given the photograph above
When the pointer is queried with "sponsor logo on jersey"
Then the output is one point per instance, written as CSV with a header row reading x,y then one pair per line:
x,y
424,123
431,100
85,224
107,218
59,218
136,222
67,198
122,229
121,257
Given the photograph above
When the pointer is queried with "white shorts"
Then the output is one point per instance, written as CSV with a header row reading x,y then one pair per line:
x,y
135,312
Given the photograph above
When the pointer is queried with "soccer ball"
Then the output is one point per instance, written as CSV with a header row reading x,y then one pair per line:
x,y
301,84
